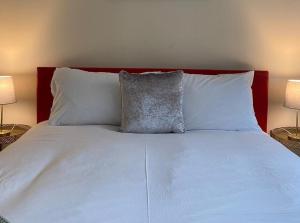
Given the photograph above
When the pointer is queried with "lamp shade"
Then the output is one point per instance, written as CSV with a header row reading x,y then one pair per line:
x,y
292,94
7,90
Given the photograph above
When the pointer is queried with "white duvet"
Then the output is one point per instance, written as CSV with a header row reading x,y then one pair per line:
x,y
96,174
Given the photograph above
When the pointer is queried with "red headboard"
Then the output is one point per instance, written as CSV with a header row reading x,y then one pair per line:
x,y
259,87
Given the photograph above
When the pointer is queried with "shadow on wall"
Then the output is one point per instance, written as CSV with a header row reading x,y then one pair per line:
x,y
206,34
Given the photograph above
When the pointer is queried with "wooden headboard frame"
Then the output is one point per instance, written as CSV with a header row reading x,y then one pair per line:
x,y
259,87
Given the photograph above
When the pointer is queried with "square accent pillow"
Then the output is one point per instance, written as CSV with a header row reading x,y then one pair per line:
x,y
152,102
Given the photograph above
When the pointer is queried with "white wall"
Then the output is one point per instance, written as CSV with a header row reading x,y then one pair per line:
x,y
233,34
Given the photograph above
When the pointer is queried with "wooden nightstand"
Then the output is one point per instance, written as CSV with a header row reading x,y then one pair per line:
x,y
282,136
16,133
3,220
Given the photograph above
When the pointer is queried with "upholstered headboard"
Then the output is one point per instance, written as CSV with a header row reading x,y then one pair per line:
x,y
259,87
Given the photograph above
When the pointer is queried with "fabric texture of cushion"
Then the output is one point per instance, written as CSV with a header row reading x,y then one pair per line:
x,y
219,102
85,98
152,102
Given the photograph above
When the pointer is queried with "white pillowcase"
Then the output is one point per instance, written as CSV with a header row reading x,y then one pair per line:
x,y
216,102
219,102
83,98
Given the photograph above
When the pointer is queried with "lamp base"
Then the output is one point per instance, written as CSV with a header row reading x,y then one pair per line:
x,y
294,137
5,132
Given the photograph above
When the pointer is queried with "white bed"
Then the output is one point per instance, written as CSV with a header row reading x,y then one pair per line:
x,y
96,174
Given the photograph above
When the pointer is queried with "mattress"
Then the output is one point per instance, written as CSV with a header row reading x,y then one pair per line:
x,y
81,174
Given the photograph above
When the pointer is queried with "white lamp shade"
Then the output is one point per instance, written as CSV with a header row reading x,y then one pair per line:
x,y
7,90
292,94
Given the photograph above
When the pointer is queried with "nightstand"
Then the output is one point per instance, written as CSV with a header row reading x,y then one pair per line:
x,y
17,132
2,220
282,136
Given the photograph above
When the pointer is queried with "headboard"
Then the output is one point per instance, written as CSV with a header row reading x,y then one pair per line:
x,y
259,88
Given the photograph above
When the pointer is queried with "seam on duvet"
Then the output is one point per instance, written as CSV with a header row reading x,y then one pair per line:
x,y
147,185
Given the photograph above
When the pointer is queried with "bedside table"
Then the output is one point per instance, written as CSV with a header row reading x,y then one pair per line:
x,y
16,133
282,136
2,220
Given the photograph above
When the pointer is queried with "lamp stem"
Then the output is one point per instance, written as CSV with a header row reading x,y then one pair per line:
x,y
297,124
1,117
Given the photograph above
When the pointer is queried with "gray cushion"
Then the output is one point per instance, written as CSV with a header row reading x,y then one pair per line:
x,y
152,102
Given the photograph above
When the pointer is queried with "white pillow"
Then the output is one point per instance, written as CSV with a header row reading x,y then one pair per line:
x,y
219,102
82,98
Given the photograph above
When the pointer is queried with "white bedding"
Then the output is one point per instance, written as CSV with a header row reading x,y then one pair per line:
x,y
96,174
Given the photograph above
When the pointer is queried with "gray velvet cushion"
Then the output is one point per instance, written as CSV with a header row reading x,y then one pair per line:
x,y
152,102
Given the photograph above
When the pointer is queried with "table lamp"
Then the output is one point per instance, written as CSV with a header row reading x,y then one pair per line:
x,y
292,100
7,96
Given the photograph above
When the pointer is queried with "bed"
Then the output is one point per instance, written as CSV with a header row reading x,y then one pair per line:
x,y
97,174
